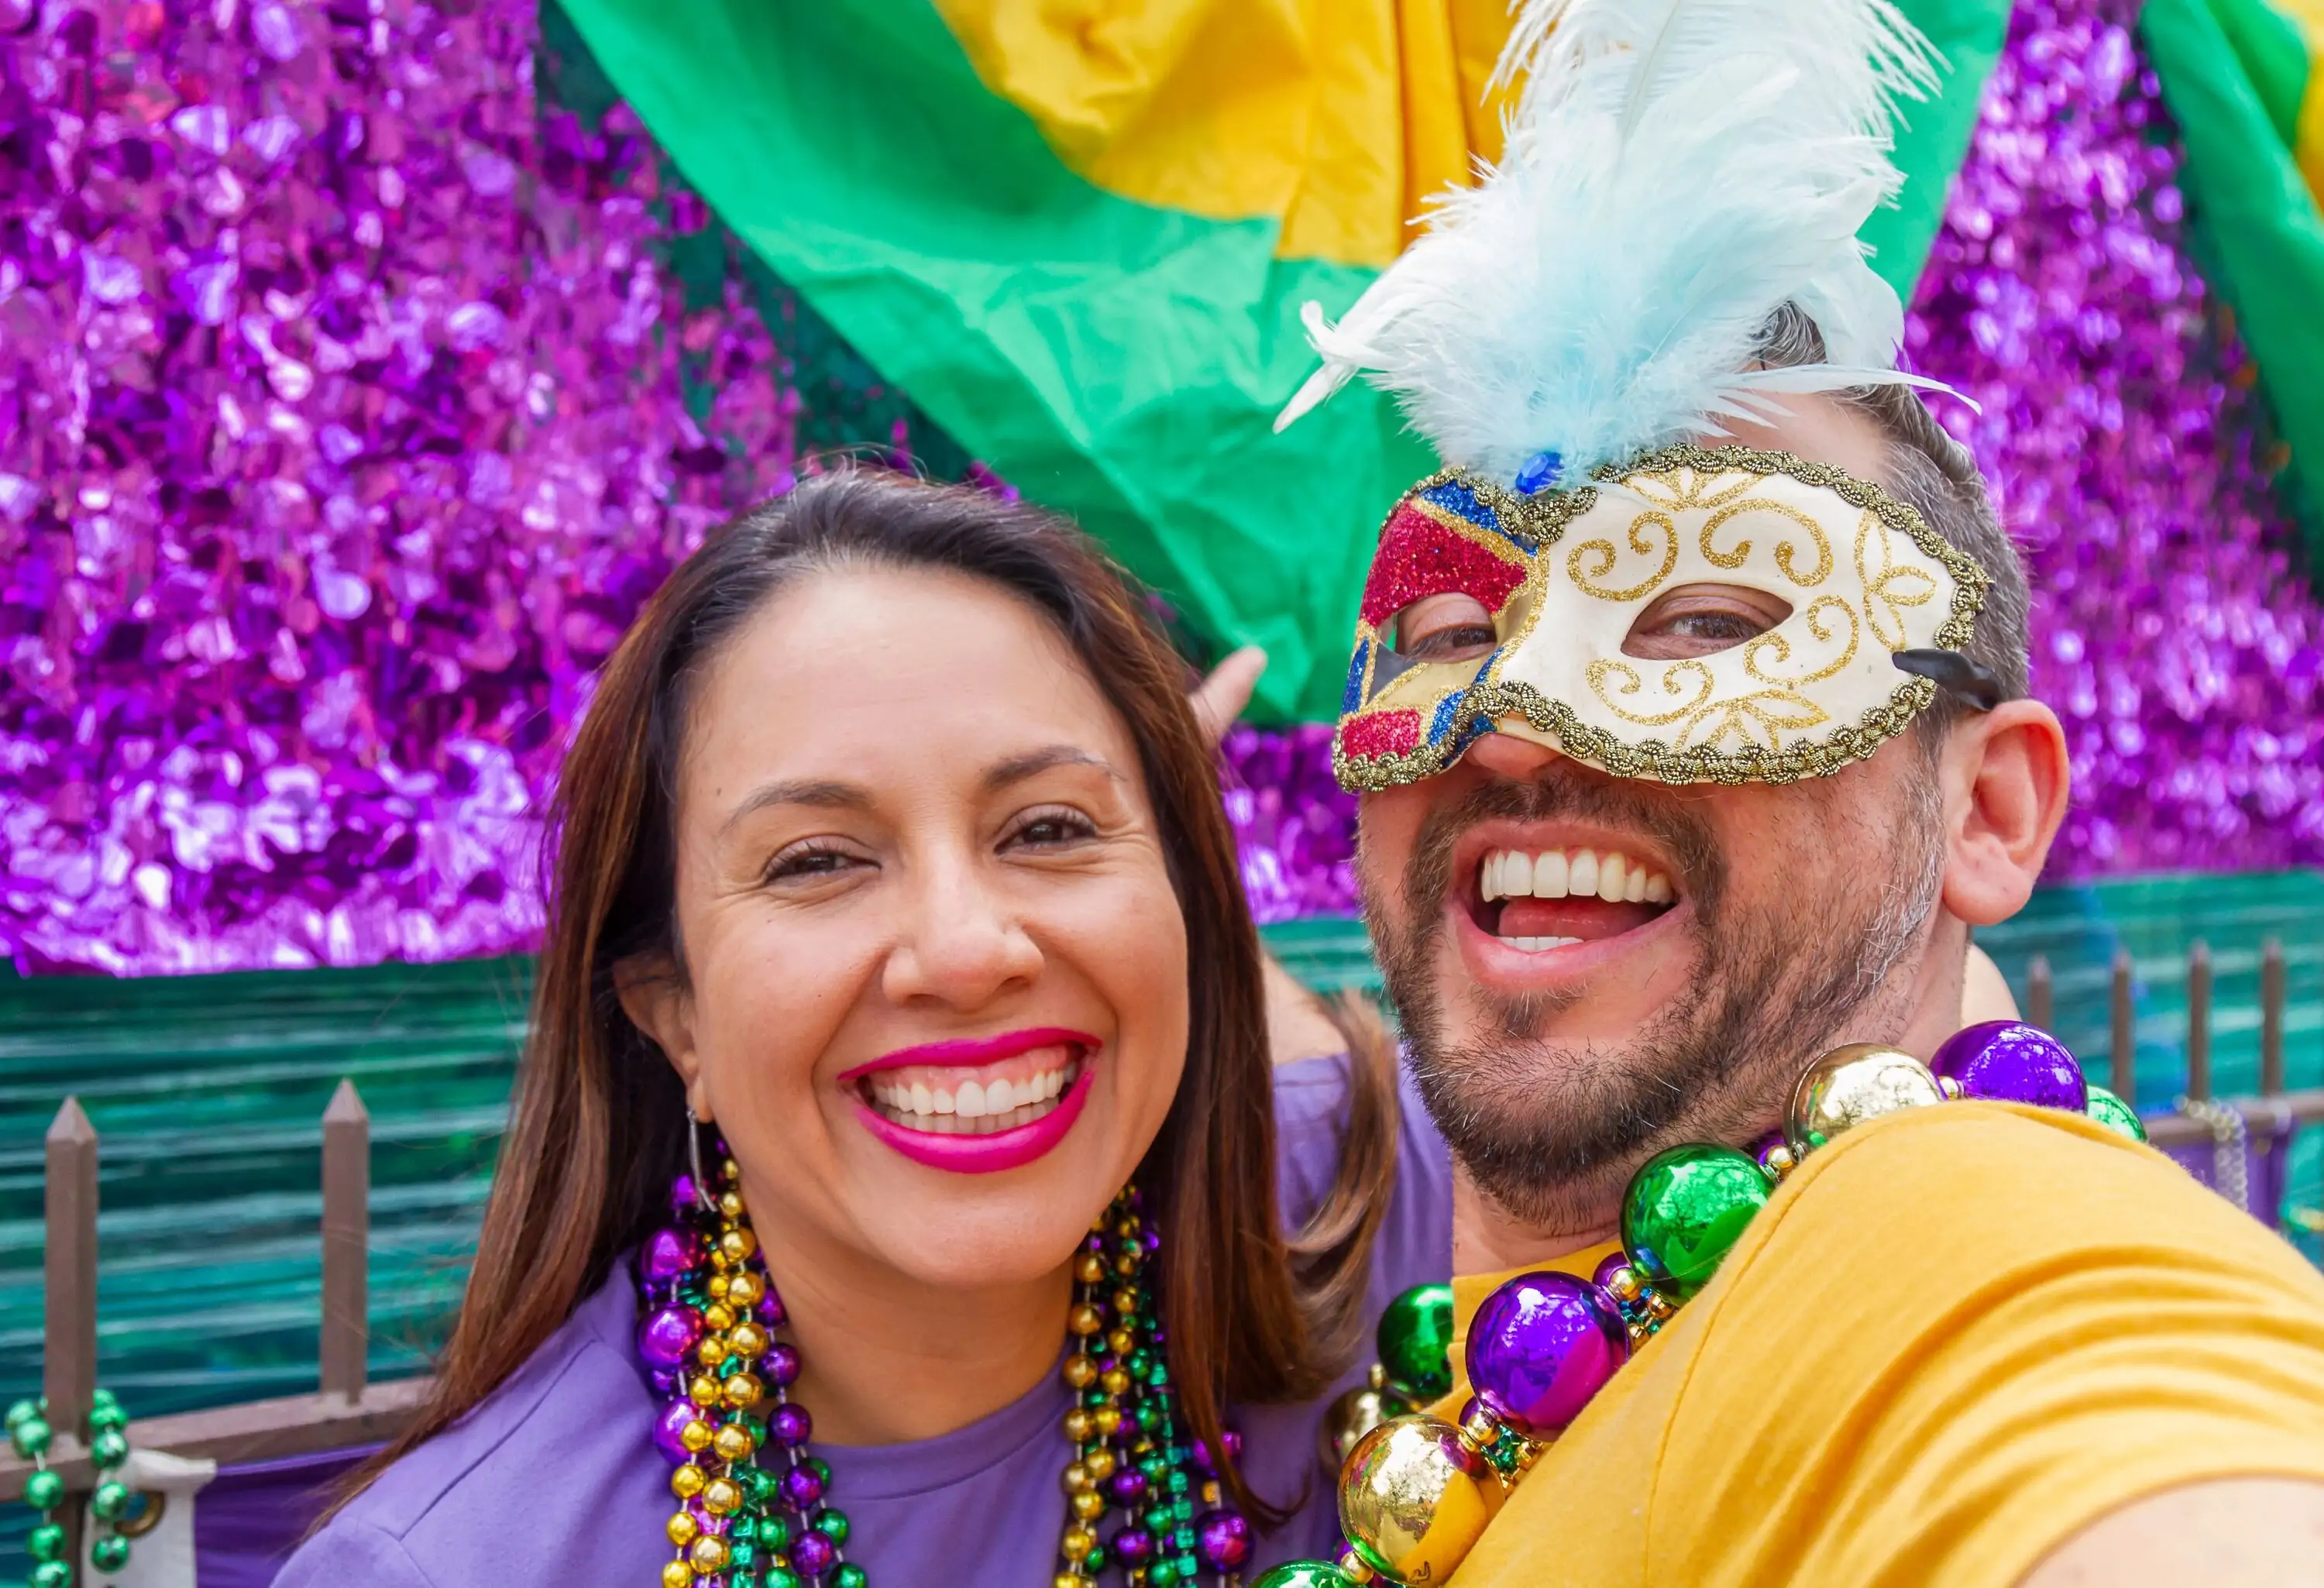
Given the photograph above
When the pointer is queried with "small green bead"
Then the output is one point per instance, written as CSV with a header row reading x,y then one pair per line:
x,y
110,1554
2115,1114
43,1490
820,1468
110,1503
1684,1211
46,1542
1178,1483
52,1574
1093,1563
775,1530
848,1576
1304,1573
104,1417
741,1554
781,1577
32,1437
21,1411
1155,1519
1162,1573
832,1525
759,1483
1155,1468
1414,1339
109,1449
104,1399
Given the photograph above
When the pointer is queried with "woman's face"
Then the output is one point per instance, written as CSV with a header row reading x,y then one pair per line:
x,y
935,988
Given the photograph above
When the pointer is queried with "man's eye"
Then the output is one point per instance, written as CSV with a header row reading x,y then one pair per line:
x,y
1727,628
1451,627
1703,620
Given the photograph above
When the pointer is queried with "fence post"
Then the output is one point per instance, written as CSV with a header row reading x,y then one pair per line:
x,y
347,1243
2270,1019
2041,996
2123,1074
68,1321
2199,1021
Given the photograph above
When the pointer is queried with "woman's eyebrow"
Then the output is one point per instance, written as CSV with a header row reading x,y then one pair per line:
x,y
1018,768
830,796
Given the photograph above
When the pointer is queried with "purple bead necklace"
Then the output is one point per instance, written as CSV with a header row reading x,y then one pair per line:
x,y
752,1501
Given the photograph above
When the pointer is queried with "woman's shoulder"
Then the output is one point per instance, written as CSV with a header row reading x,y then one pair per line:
x,y
538,1471
1415,1244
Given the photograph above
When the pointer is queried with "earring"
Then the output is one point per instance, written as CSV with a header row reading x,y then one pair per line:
x,y
694,1161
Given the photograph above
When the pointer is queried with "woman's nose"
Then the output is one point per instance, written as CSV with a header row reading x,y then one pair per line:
x,y
963,944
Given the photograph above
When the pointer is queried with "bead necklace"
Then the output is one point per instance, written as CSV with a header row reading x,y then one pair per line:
x,y
708,1343
1416,1491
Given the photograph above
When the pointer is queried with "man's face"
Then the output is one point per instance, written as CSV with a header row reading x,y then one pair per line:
x,y
1589,969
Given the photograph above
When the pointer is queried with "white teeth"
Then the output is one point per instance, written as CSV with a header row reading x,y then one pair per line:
x,y
1613,876
1549,875
976,1108
943,1101
1581,874
919,1100
1539,945
969,1101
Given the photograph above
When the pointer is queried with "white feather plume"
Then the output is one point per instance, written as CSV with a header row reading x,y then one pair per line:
x,y
1674,172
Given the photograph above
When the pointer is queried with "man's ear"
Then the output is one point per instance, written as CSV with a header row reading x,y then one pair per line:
x,y
653,994
2006,776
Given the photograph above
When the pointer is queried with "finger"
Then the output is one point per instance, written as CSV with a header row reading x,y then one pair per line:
x,y
1219,698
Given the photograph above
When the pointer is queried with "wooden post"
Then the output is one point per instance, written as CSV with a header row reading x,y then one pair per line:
x,y
2199,1021
69,1341
2270,1019
2123,1046
2041,997
346,1244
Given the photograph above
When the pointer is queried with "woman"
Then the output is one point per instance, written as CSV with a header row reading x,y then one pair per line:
x,y
892,1188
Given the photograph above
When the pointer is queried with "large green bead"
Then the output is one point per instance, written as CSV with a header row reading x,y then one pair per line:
x,y
101,1417
1685,1209
32,1437
781,1577
21,1411
46,1542
1416,1340
52,1574
110,1500
2115,1114
110,1554
1304,1573
108,1449
43,1490
832,1525
848,1576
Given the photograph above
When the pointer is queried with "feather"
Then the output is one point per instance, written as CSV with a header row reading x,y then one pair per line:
x,y
1674,172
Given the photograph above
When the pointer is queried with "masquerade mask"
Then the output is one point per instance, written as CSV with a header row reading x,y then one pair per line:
x,y
1879,608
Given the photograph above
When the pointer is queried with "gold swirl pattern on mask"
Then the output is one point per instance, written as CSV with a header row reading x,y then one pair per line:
x,y
1786,549
1627,682
1604,554
1774,648
1888,588
1759,716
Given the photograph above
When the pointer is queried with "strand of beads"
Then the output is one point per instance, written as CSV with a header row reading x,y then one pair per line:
x,y
31,1435
1417,1492
1414,1340
752,1510
1130,1450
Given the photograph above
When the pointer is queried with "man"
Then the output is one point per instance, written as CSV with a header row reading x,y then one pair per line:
x,y
1688,714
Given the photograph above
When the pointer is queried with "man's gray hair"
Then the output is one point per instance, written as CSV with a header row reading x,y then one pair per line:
x,y
1939,477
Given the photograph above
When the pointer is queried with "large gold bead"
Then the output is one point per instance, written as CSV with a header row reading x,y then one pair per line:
x,y
717,1315
710,1350
1077,1477
698,1435
744,1390
687,1482
677,1574
1125,1301
737,1243
1078,1424
1089,1505
734,1443
748,1339
743,1289
682,1528
1089,1268
1122,1342
730,1203
1851,1084
707,1554
1078,1542
1084,1319
1100,1462
1108,1419
1081,1370
1414,1499
1356,1413
1114,1381
703,1390
721,1497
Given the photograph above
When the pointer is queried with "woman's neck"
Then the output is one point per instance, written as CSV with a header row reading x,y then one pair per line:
x,y
886,1360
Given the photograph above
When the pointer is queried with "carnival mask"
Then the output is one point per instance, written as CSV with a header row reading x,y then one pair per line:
x,y
1880,606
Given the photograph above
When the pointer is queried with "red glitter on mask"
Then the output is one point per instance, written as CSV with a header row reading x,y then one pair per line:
x,y
1419,556
1381,732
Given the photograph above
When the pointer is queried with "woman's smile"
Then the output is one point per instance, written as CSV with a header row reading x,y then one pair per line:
x,y
975,1087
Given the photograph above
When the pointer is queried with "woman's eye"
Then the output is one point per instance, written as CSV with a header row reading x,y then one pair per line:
x,y
1451,627
1050,830
807,864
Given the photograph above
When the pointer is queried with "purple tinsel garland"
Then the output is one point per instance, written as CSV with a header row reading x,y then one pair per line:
x,y
352,413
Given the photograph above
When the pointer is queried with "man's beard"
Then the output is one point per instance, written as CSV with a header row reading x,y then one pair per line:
x,y
1548,1130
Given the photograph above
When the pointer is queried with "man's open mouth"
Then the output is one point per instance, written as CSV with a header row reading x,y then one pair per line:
x,y
1540,901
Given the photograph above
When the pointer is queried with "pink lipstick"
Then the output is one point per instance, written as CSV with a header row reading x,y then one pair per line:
x,y
977,1105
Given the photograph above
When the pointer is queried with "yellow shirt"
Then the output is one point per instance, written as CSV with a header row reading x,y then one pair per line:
x,y
1953,1338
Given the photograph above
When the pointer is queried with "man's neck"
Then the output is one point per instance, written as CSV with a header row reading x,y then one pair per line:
x,y
1487,1239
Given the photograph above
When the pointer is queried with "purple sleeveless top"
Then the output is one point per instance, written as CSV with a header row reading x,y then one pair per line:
x,y
553,1480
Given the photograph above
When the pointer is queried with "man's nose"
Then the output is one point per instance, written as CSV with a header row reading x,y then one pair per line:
x,y
1506,755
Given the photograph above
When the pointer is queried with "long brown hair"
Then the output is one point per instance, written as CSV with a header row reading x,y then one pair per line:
x,y
599,1119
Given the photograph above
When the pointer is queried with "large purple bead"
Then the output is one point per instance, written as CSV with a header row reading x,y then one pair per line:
x,y
1223,1538
1127,1487
669,1254
668,1427
790,1424
665,1338
812,1554
1133,1546
802,1486
2009,1061
1540,1347
780,1365
1229,1440
682,1198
